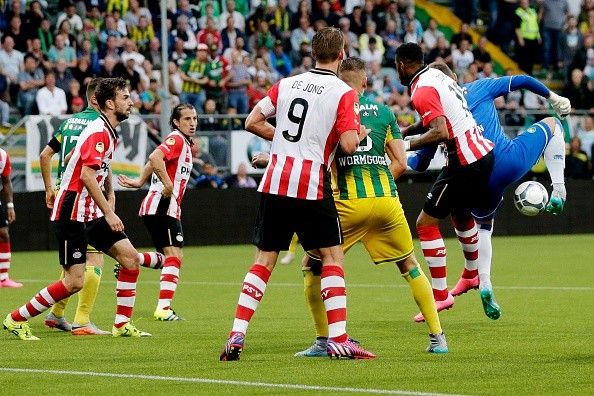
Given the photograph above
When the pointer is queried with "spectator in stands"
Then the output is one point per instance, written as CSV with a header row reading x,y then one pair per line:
x,y
586,134
209,13
45,35
209,122
528,46
463,34
237,16
147,72
199,158
130,74
370,32
570,43
579,91
50,99
111,49
184,33
210,34
191,14
391,40
431,35
37,53
441,52
193,74
120,6
65,31
75,101
142,34
238,48
209,177
61,51
410,34
20,38
409,16
33,17
577,165
217,71
11,63
480,53
371,53
149,97
344,25
462,58
259,89
587,26
154,53
175,79
553,17
230,33
302,51
29,81
304,33
131,52
357,23
86,51
63,75
75,23
239,80
487,71
326,14
263,37
111,30
241,179
281,21
280,61
96,17
390,14
178,55
121,25
83,74
135,13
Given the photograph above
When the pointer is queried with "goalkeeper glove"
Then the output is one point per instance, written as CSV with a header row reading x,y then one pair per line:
x,y
560,104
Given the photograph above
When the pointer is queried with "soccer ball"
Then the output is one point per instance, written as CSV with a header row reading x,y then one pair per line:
x,y
531,198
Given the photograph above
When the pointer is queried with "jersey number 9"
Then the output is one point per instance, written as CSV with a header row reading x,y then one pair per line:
x,y
298,119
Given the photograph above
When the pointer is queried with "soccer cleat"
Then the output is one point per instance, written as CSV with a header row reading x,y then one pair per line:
x,y
490,306
116,269
128,330
233,347
318,349
19,329
288,259
10,283
347,349
87,329
437,343
440,305
166,315
464,285
555,205
53,322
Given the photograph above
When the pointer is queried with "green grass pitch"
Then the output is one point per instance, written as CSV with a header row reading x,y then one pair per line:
x,y
542,344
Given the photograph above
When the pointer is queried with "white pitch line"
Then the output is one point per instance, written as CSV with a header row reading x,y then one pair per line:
x,y
356,285
222,382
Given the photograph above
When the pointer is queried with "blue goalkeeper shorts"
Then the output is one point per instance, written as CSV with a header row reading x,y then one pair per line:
x,y
512,162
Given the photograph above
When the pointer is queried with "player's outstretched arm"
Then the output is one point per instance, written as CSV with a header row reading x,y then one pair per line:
x,y
129,182
45,162
560,104
397,154
437,133
256,122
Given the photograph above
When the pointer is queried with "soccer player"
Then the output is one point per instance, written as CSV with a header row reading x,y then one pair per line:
x,y
513,159
462,183
171,165
315,112
7,216
370,211
81,214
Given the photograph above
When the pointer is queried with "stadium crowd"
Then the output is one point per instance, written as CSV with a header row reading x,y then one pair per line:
x,y
225,54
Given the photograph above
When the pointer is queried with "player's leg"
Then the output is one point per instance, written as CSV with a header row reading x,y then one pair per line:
x,y
467,233
554,156
290,256
485,230
55,318
82,324
312,274
273,232
72,253
5,256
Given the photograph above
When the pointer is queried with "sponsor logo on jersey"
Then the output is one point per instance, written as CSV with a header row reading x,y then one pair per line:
x,y
426,114
362,160
100,147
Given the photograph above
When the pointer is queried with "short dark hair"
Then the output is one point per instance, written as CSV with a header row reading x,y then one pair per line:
x,y
177,110
29,56
352,64
108,88
410,53
327,44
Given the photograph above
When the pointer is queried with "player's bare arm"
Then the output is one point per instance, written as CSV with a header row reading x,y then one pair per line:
x,y
129,182
88,176
397,154
157,161
256,123
108,189
415,129
437,133
349,140
45,162
7,198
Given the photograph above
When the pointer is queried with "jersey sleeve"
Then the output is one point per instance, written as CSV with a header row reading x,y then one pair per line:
x,y
93,150
393,129
347,113
428,104
59,133
7,166
171,147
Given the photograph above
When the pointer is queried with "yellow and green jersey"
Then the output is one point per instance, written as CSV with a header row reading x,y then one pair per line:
x,y
193,69
365,174
67,134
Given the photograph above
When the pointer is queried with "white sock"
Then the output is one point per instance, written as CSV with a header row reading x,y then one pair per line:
x,y
554,156
485,249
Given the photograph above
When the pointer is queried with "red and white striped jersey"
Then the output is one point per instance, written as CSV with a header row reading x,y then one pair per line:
x,y
434,94
178,163
95,148
312,110
5,166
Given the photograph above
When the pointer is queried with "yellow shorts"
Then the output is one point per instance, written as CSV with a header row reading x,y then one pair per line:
x,y
380,224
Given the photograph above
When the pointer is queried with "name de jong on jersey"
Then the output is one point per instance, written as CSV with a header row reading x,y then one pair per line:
x,y
312,110
366,174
